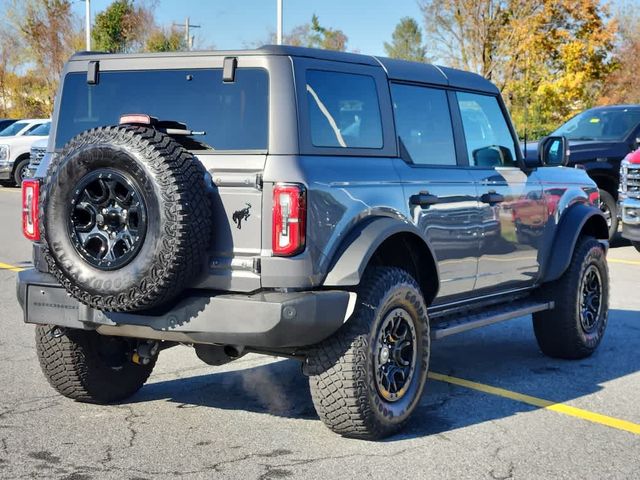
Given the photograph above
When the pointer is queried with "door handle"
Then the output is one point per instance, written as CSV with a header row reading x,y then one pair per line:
x,y
424,199
492,198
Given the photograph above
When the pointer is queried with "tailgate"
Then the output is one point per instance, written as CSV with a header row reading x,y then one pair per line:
x,y
237,231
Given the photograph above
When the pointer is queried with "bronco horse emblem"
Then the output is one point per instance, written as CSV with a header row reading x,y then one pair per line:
x,y
240,215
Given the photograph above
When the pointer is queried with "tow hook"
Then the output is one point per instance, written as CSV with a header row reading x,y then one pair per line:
x,y
56,332
145,352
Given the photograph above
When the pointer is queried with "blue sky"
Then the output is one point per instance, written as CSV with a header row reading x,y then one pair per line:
x,y
230,24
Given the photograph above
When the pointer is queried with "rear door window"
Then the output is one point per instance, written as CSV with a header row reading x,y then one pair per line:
x,y
343,110
486,131
234,116
423,124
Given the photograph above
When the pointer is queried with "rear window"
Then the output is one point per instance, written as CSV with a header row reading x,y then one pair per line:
x,y
343,110
234,116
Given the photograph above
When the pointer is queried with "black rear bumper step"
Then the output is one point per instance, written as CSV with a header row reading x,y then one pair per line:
x,y
487,316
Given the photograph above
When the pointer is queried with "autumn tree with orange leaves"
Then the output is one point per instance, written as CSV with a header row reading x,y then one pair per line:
x,y
549,57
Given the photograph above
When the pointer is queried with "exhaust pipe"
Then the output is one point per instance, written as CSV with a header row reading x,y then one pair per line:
x,y
217,355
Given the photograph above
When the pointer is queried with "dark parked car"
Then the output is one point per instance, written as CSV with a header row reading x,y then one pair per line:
x,y
339,209
5,122
599,139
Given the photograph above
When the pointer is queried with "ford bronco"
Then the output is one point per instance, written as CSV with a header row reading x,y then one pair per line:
x,y
340,209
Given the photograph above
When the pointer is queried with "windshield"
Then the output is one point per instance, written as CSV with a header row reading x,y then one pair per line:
x,y
13,129
40,130
233,115
601,124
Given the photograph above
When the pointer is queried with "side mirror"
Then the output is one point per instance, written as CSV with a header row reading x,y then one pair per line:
x,y
554,152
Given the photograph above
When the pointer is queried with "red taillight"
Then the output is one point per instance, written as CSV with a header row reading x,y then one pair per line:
x,y
30,199
289,219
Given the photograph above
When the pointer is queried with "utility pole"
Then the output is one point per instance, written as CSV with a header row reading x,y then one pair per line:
x,y
187,32
87,24
279,22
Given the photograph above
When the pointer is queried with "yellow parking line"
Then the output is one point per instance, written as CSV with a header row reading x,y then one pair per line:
x,y
11,268
541,403
626,262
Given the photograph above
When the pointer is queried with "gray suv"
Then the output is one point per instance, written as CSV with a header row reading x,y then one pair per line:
x,y
339,209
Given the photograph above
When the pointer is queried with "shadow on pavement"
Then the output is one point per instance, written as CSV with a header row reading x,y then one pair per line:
x,y
503,355
618,241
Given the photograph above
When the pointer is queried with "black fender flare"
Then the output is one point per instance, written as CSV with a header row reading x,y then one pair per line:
x,y
352,258
571,226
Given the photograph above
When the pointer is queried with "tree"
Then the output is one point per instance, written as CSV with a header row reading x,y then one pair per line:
x,y
549,57
406,42
316,36
122,27
161,40
621,85
569,60
50,35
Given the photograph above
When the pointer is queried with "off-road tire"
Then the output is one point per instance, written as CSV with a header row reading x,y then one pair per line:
x,y
610,204
559,332
71,363
177,192
341,369
636,245
17,171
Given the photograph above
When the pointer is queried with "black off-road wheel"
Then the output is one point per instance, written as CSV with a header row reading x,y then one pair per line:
x,y
88,367
610,211
575,327
126,217
367,379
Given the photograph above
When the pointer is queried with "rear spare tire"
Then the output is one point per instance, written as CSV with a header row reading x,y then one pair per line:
x,y
126,218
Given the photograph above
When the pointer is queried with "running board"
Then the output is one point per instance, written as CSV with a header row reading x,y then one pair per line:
x,y
488,316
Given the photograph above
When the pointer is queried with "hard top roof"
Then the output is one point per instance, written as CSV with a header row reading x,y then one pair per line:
x,y
400,70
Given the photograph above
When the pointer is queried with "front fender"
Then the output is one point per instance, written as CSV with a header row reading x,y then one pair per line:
x,y
578,219
352,258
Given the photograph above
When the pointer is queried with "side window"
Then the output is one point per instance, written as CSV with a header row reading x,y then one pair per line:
x,y
423,124
489,140
32,128
343,110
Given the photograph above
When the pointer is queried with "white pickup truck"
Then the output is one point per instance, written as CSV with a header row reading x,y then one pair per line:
x,y
629,196
15,147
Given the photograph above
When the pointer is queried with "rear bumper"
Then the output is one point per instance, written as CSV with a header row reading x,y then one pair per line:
x,y
631,219
263,320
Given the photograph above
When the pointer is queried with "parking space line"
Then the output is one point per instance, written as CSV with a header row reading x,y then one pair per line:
x,y
13,190
541,403
11,268
626,262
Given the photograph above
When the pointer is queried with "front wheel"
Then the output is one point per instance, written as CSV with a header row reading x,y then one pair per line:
x,y
610,211
86,366
367,379
21,172
575,327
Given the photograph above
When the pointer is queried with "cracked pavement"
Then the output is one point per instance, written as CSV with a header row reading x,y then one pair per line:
x,y
253,419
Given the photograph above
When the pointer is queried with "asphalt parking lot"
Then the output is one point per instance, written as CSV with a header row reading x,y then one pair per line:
x,y
494,408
